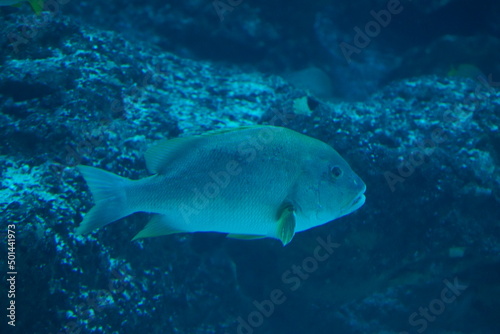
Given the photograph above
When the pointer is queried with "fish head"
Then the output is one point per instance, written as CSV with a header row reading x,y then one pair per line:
x,y
332,189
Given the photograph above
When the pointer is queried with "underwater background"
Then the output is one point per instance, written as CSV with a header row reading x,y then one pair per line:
x,y
406,91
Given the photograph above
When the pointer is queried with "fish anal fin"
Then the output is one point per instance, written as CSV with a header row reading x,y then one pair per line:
x,y
158,225
286,224
245,236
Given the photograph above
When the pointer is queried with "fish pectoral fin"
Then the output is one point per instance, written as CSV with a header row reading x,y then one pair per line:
x,y
286,225
158,225
245,236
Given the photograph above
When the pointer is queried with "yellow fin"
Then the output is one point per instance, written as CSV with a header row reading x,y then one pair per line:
x,y
37,6
245,236
158,225
286,225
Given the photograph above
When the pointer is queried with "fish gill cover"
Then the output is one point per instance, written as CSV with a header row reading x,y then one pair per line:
x,y
406,92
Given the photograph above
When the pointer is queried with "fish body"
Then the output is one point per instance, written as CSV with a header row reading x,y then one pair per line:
x,y
252,182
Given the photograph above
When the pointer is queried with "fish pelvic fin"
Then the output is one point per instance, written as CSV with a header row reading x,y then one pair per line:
x,y
286,225
158,225
108,191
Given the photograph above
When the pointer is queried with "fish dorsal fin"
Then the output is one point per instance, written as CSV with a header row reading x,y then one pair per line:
x,y
239,128
158,225
245,236
286,224
160,155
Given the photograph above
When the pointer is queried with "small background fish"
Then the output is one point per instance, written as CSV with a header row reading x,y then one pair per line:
x,y
37,5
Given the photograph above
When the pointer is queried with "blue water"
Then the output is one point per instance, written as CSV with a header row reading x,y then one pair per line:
x,y
407,92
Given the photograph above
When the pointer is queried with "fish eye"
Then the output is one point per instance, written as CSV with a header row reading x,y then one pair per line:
x,y
336,171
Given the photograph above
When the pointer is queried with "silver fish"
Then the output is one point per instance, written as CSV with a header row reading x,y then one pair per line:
x,y
250,182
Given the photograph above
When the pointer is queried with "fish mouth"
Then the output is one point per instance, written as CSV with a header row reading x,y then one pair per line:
x,y
357,203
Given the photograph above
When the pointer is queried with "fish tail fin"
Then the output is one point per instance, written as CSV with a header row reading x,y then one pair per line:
x,y
108,191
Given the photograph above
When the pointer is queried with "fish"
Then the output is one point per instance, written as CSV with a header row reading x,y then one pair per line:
x,y
36,5
250,182
467,71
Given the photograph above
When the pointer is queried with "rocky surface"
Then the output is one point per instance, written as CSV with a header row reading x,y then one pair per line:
x,y
427,147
